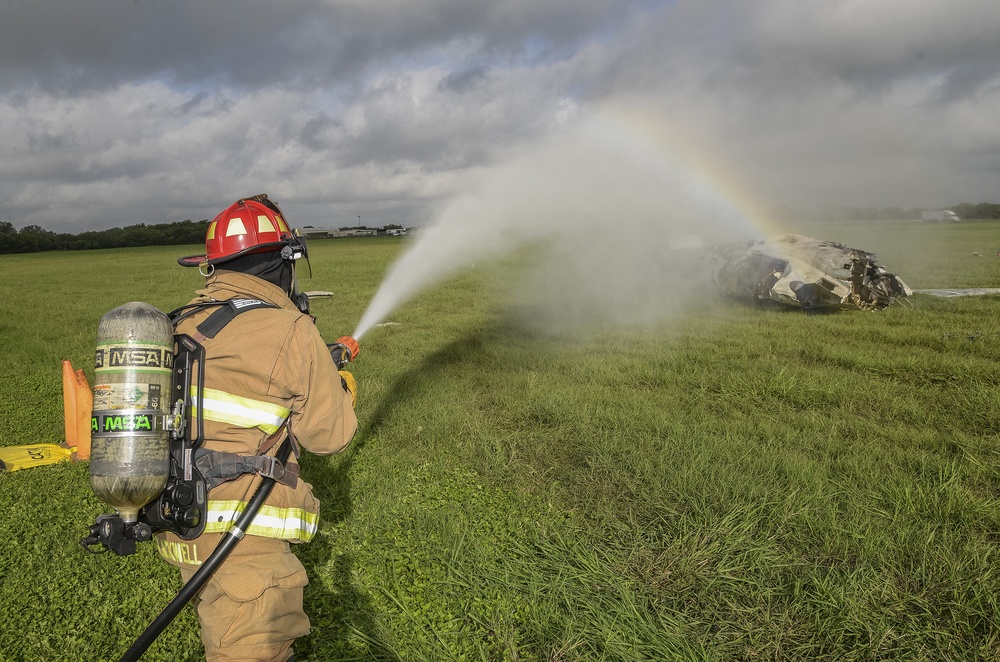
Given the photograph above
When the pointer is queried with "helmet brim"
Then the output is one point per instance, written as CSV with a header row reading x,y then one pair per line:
x,y
191,260
198,260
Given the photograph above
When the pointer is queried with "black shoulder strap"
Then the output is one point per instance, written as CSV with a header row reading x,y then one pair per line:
x,y
187,310
226,313
218,320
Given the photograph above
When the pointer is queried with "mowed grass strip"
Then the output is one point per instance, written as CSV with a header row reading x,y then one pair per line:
x,y
742,483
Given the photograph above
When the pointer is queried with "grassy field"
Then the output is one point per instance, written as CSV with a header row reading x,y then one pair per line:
x,y
739,484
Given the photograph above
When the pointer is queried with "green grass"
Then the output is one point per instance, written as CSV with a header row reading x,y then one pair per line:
x,y
740,484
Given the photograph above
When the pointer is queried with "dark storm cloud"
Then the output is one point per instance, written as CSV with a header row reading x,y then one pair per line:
x,y
119,111
319,132
853,102
250,43
460,81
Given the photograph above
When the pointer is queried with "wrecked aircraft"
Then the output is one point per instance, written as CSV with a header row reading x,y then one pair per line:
x,y
807,273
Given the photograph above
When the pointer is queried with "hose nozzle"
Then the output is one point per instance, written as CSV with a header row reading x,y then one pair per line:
x,y
344,351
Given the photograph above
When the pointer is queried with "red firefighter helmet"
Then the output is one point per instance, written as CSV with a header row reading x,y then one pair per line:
x,y
250,225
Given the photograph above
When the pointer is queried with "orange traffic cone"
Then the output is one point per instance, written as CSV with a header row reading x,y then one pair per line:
x,y
84,403
69,404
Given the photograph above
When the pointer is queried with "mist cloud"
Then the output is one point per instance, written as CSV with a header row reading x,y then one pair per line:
x,y
612,222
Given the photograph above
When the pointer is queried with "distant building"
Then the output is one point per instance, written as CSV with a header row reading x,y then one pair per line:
x,y
328,233
355,232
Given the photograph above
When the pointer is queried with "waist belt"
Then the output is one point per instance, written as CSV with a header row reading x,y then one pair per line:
x,y
219,466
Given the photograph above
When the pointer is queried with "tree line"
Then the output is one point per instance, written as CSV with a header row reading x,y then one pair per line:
x,y
984,211
34,238
831,213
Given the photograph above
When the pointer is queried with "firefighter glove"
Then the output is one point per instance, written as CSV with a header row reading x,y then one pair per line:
x,y
350,385
341,355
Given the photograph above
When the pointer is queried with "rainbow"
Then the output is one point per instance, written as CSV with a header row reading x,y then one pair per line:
x,y
727,190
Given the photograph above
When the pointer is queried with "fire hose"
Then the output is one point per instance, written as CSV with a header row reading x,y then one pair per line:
x,y
208,568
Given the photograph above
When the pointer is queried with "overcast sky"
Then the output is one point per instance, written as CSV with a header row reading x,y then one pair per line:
x,y
115,112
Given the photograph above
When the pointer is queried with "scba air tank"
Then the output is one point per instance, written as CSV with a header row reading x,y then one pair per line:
x,y
133,366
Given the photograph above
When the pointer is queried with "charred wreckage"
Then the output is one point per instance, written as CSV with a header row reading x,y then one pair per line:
x,y
810,274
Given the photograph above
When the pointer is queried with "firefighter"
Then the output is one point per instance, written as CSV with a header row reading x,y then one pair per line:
x,y
268,375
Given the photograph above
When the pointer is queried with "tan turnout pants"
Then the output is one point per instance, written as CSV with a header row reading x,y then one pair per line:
x,y
251,608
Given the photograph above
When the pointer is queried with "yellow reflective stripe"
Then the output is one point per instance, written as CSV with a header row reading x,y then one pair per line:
x,y
223,407
292,524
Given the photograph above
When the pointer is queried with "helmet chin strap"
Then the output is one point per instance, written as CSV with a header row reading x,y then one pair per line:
x,y
300,299
295,252
301,302
292,253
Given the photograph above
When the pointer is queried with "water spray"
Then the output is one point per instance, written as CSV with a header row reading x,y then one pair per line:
x,y
612,211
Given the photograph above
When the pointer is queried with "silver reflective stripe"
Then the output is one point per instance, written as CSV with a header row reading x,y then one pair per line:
x,y
293,524
223,407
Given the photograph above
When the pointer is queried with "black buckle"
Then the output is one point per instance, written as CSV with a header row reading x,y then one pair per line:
x,y
270,467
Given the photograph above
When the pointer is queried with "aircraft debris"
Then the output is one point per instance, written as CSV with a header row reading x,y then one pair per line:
x,y
967,292
811,274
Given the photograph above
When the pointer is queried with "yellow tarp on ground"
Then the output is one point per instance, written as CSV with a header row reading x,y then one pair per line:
x,y
13,458
78,400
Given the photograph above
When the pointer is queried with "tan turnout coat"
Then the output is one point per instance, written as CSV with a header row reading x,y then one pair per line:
x,y
276,357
